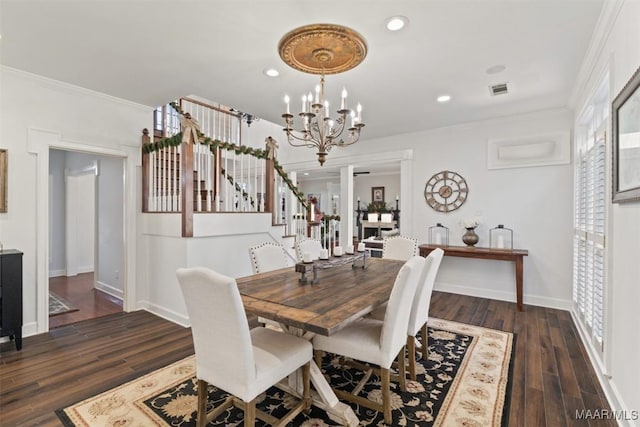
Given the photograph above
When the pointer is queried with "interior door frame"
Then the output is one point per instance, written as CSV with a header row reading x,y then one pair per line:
x,y
39,142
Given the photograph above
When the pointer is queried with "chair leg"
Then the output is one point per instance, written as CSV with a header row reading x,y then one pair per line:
x,y
411,349
402,369
318,358
201,420
250,414
425,343
386,394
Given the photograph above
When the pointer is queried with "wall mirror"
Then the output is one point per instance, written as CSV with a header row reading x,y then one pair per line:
x,y
626,142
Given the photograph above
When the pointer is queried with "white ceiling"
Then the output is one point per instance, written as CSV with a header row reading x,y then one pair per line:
x,y
151,52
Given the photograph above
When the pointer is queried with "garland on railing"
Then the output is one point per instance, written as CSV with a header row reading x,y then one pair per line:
x,y
176,140
239,189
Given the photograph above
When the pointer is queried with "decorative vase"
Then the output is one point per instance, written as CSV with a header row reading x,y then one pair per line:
x,y
470,238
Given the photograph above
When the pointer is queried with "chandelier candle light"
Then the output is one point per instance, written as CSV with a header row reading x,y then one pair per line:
x,y
322,49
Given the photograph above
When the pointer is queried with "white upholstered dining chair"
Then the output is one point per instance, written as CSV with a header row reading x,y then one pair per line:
x,y
311,246
229,356
399,247
420,309
419,314
371,341
267,256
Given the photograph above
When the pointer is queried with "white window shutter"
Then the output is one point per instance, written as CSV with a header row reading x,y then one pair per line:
x,y
590,192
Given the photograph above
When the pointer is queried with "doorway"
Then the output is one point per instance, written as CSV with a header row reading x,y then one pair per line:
x,y
86,236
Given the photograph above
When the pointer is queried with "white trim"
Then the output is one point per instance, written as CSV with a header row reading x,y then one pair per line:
x,y
57,273
556,303
74,90
357,161
93,169
28,330
536,150
167,314
613,396
604,26
108,289
39,142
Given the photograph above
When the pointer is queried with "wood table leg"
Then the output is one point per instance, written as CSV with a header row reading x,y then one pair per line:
x,y
323,395
519,273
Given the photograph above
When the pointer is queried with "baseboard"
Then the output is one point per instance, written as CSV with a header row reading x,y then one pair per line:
x,y
609,388
169,315
503,296
57,273
86,269
27,330
108,289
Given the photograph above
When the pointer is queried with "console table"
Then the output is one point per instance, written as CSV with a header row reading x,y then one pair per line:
x,y
515,255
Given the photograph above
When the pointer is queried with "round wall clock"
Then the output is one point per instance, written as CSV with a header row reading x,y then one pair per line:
x,y
446,191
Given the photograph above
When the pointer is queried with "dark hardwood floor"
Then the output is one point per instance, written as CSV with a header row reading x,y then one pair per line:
x,y
90,302
552,376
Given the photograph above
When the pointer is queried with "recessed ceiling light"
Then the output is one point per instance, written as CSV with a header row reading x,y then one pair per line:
x,y
306,174
444,98
496,69
271,72
396,23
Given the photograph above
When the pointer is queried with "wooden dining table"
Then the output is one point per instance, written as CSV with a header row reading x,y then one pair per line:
x,y
342,295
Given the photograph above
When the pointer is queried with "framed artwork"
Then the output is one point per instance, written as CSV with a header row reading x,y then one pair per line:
x,y
377,194
625,111
3,180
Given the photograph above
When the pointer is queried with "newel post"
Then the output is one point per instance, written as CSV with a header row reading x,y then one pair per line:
x,y
189,138
270,177
270,185
186,192
145,171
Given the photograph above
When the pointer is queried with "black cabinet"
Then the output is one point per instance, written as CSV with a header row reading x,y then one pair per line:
x,y
11,295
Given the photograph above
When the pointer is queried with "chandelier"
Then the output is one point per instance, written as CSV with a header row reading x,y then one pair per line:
x,y
322,49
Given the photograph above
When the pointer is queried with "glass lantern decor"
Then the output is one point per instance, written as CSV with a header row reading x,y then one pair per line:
x,y
439,235
501,237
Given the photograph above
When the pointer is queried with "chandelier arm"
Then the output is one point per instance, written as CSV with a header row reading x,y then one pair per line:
x,y
337,132
305,142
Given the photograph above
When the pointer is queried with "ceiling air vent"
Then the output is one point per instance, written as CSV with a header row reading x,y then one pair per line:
x,y
498,89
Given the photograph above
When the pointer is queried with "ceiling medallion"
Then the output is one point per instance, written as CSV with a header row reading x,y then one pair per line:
x,y
322,49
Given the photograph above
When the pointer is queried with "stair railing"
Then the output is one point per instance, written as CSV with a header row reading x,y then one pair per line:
x,y
193,171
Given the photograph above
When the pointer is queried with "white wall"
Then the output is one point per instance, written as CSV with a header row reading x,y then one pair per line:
x,y
616,48
223,246
81,223
57,212
74,117
110,231
535,201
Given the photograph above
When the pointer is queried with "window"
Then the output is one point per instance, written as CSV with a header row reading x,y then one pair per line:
x,y
590,195
165,122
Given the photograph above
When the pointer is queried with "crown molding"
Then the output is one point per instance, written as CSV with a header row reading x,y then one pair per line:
x,y
73,89
363,160
606,21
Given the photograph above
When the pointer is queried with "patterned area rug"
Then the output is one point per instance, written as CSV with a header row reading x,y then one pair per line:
x,y
59,305
463,382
